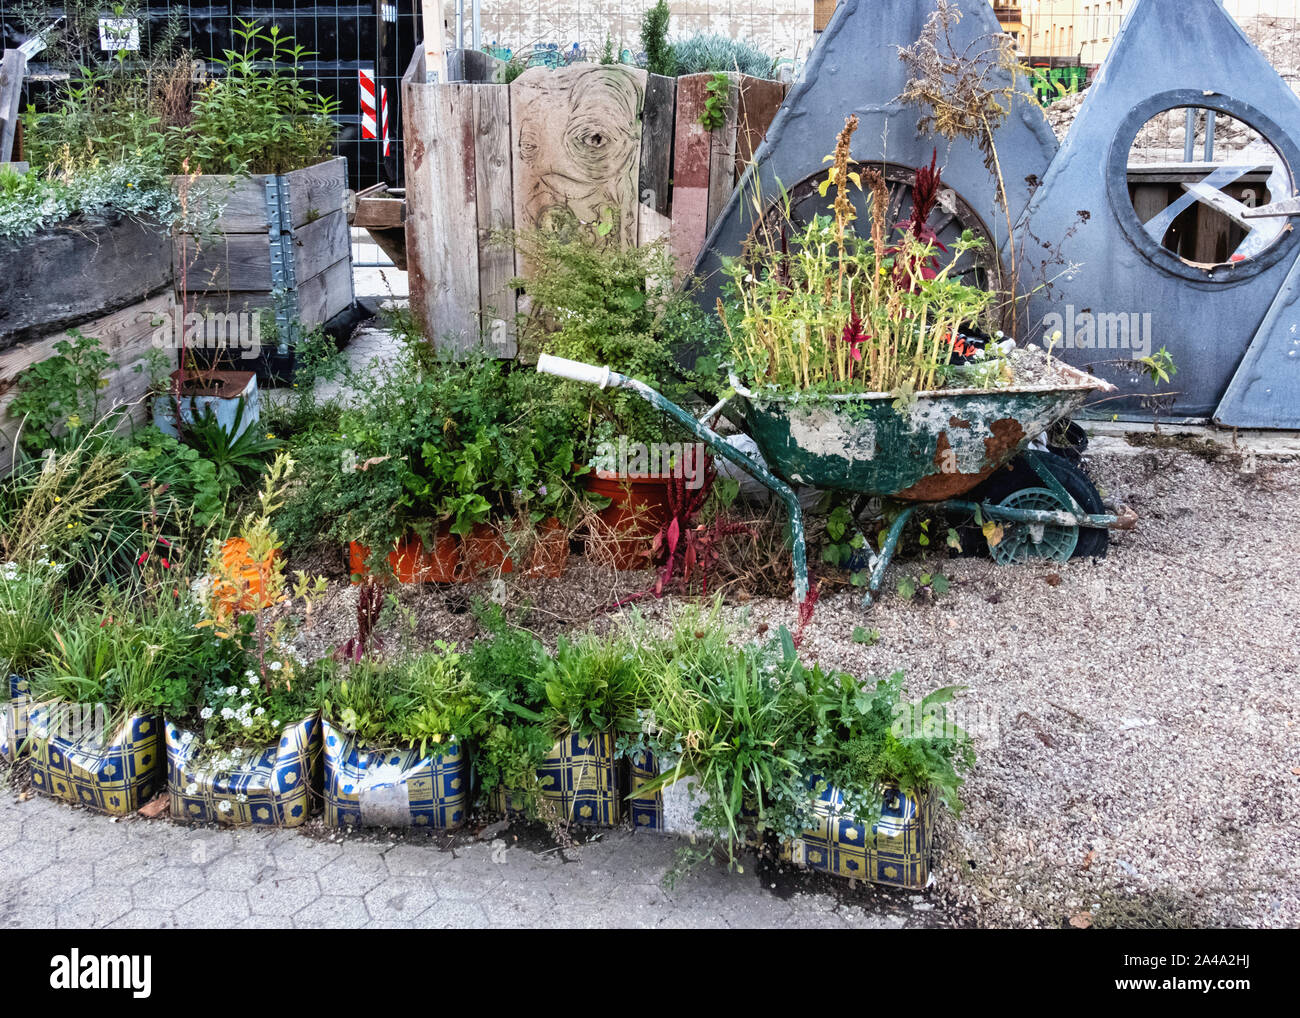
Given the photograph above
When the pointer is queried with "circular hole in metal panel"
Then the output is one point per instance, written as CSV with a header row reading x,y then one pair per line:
x,y
1215,191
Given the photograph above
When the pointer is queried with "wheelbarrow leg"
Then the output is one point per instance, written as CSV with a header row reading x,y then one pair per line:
x,y
886,555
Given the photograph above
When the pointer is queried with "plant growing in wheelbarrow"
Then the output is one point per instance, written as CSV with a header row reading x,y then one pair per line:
x,y
858,365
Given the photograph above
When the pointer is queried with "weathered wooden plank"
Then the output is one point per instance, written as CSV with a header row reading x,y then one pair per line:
x,y
239,262
722,155
657,126
77,272
435,41
441,212
577,150
316,191
226,262
321,243
127,335
494,196
760,98
380,213
320,297
691,151
12,68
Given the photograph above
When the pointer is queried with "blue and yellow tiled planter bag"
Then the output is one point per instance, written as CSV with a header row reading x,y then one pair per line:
x,y
268,786
580,778
117,775
13,719
395,787
895,850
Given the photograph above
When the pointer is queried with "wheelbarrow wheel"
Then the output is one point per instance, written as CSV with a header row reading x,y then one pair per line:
x,y
1018,476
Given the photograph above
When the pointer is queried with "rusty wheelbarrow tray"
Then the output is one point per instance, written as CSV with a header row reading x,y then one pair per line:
x,y
940,446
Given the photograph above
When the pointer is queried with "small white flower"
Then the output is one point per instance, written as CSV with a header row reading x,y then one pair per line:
x,y
231,690
259,712
205,713
275,666
227,713
246,722
244,692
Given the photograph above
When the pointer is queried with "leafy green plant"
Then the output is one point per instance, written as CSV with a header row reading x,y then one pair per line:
x,y
258,117
424,700
590,686
820,308
30,603
59,396
133,657
238,457
717,98
659,57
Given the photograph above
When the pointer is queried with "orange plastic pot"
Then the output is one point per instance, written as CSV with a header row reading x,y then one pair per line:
x,y
411,561
485,551
244,593
638,509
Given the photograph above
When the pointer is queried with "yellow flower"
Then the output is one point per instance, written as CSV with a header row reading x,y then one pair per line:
x,y
269,435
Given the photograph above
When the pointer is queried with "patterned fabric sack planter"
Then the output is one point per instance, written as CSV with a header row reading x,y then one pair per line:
x,y
74,759
580,777
896,850
13,719
395,787
270,786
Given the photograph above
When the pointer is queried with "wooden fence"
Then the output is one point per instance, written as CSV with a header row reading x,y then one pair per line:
x,y
590,144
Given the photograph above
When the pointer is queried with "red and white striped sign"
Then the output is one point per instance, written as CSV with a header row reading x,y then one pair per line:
x,y
368,108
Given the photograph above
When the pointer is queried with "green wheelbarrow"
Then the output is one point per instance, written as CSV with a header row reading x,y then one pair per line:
x,y
930,454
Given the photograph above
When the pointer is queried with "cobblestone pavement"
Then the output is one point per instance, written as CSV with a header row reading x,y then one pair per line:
x,y
68,868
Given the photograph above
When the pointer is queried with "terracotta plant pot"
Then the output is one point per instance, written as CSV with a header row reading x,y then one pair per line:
x,y
411,562
485,551
638,509
550,554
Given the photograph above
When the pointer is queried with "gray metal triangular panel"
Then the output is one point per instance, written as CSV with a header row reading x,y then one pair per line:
x,y
855,68
1167,53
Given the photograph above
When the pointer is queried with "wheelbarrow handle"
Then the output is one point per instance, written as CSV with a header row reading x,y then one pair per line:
x,y
574,371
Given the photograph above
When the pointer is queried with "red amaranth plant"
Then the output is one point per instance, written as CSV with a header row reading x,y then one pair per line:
x,y
370,599
683,549
910,270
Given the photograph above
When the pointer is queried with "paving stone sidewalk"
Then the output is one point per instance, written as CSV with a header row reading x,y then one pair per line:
x,y
68,868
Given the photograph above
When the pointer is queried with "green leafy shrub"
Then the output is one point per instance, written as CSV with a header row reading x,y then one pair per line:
x,y
258,117
424,700
659,57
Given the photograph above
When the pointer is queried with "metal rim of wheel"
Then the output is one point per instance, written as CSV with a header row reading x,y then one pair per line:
x,y
1024,541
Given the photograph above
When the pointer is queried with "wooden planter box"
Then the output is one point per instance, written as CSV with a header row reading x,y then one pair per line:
x,y
78,272
281,243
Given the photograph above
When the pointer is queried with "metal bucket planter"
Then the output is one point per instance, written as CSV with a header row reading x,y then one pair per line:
x,y
13,719
394,787
116,774
230,396
270,786
580,778
895,850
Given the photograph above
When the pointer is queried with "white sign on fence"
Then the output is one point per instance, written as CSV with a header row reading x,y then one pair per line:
x,y
119,33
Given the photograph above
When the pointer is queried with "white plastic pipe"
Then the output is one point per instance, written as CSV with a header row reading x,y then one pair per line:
x,y
575,371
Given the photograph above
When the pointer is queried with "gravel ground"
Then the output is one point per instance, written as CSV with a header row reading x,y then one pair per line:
x,y
1139,759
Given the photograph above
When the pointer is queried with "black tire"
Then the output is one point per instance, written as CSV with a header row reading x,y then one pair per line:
x,y
1093,543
